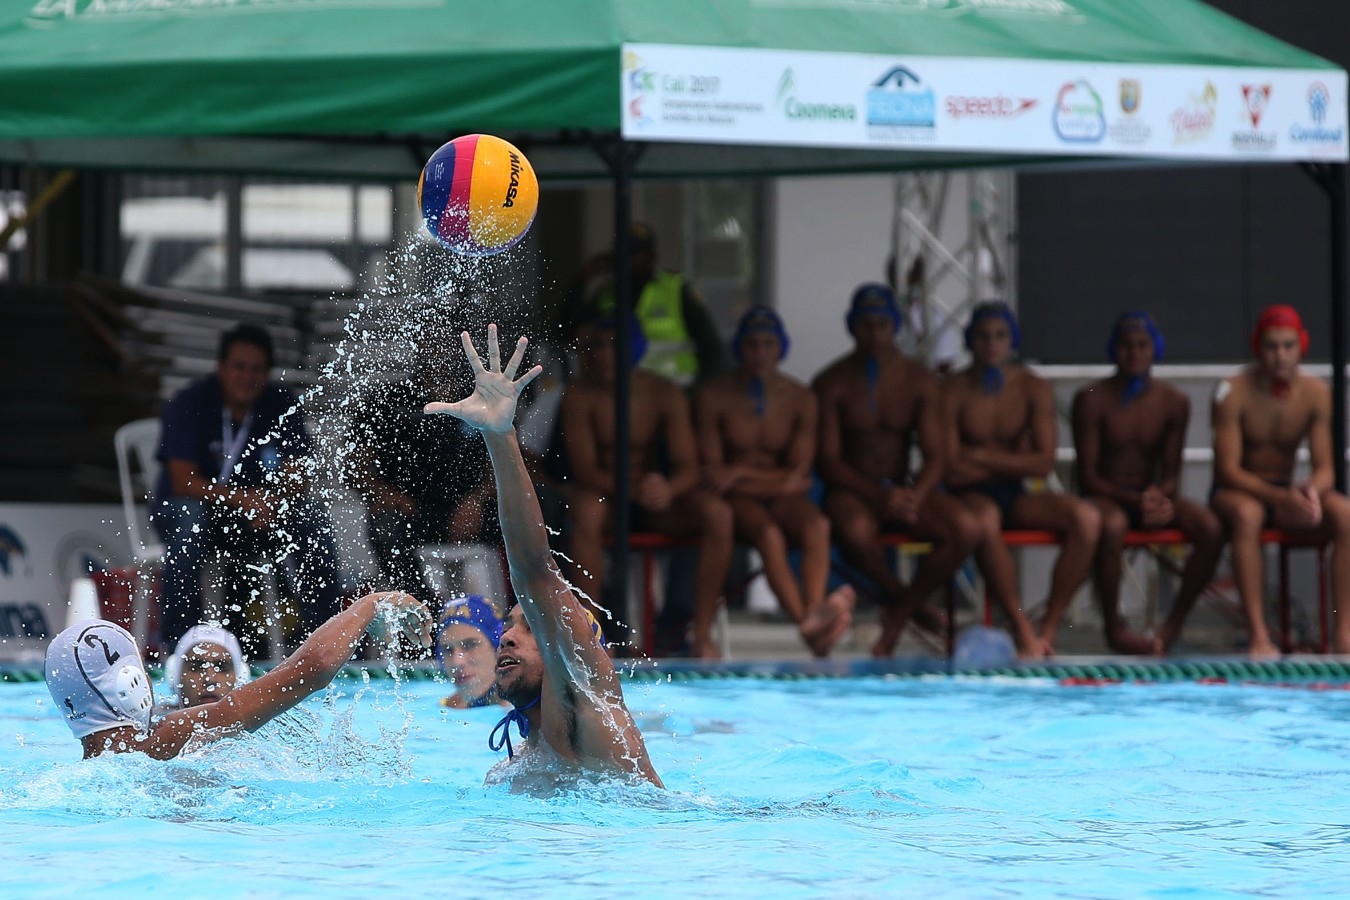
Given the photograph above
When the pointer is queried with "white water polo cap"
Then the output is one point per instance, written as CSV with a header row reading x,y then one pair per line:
x,y
96,678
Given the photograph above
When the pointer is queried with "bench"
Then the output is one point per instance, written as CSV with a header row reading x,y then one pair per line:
x,y
1162,537
648,544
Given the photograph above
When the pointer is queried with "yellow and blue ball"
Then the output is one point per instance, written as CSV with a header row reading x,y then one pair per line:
x,y
478,195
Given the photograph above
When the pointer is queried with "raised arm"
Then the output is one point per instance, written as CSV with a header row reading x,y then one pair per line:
x,y
582,702
550,608
306,671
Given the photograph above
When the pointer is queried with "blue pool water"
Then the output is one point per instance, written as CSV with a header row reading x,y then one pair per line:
x,y
820,788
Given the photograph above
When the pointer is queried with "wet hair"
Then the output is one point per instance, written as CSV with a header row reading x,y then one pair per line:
x,y
253,335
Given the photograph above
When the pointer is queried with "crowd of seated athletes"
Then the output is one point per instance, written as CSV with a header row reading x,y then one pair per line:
x,y
749,455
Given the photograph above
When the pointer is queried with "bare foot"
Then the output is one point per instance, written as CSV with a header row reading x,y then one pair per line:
x,y
1030,646
892,626
829,621
1131,644
1263,649
704,649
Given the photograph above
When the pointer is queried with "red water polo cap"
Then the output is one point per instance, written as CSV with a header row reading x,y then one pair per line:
x,y
1279,316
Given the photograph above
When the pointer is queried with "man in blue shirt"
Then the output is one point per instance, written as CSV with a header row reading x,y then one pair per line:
x,y
233,449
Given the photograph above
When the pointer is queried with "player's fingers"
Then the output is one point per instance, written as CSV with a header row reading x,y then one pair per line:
x,y
494,352
510,371
527,378
470,353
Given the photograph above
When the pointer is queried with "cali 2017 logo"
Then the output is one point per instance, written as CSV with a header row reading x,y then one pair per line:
x,y
1078,115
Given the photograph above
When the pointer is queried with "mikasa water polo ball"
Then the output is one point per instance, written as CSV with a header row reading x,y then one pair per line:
x,y
478,195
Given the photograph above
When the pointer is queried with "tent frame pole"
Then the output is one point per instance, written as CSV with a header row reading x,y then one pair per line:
x,y
621,158
1335,188
1331,178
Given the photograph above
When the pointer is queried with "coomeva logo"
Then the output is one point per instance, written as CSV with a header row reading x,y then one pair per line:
x,y
796,109
1079,117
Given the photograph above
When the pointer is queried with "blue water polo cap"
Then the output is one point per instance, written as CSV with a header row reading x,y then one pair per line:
x,y
1136,321
874,299
760,319
993,309
637,340
469,610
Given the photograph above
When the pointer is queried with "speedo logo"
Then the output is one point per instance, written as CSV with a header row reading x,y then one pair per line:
x,y
514,186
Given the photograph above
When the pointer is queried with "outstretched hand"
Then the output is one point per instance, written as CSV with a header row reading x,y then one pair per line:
x,y
492,405
401,616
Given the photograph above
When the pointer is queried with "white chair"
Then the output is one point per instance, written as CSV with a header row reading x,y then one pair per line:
x,y
138,442
137,447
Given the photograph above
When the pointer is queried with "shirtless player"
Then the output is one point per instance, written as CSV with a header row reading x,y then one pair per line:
x,y
1129,431
1001,430
566,698
873,403
1261,415
757,434
668,503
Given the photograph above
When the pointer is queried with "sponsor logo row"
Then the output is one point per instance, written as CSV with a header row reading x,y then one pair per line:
x,y
900,104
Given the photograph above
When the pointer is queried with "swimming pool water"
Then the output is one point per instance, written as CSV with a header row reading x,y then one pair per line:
x,y
820,788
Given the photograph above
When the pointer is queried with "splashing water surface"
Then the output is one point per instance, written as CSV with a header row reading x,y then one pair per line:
x,y
847,787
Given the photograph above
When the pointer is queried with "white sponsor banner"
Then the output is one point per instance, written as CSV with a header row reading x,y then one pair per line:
x,y
43,547
1038,107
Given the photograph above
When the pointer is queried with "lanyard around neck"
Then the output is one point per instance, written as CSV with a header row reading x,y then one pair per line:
x,y
232,441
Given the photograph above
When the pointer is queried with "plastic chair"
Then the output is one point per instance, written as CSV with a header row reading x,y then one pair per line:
x,y
138,441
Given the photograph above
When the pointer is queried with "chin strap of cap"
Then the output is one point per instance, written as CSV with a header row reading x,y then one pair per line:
x,y
1134,386
992,381
517,715
757,394
872,370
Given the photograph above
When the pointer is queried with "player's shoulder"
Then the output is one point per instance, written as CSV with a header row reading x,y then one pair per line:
x,y
832,376
1029,378
1315,386
1233,390
1092,395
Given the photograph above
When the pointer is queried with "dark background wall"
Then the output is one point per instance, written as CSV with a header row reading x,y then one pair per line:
x,y
1204,249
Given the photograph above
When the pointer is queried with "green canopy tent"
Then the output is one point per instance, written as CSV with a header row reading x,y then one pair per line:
x,y
619,89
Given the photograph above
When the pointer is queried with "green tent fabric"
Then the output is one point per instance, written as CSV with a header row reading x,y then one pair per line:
x,y
184,71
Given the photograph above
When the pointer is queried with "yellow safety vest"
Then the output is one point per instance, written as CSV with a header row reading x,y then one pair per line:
x,y
670,348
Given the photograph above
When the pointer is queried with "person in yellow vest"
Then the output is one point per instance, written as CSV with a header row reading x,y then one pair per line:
x,y
682,340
